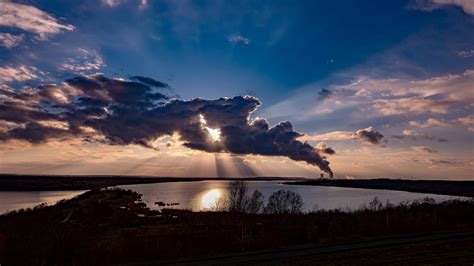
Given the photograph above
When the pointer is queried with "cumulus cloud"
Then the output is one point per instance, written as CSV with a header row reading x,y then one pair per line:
x,y
9,40
430,122
324,148
423,149
19,73
237,38
429,5
30,19
86,60
367,135
122,112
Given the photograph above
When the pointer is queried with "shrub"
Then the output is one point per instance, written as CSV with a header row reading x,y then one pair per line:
x,y
284,201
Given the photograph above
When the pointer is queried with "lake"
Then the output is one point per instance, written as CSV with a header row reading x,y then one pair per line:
x,y
15,200
203,195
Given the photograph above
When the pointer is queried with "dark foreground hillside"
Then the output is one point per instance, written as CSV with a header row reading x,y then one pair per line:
x,y
112,226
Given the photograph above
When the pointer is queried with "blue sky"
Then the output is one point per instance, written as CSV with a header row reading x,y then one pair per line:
x,y
402,68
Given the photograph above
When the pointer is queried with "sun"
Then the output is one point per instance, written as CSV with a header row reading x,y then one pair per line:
x,y
214,133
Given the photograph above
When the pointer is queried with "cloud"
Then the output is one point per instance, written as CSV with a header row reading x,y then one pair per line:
x,y
122,112
143,3
335,135
323,147
367,135
19,73
430,5
466,54
237,38
324,94
114,3
445,162
403,96
413,135
150,82
411,106
364,99
431,122
9,40
423,149
30,19
85,61
467,121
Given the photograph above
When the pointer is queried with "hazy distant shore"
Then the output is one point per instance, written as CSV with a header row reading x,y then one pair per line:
x,y
10,182
442,187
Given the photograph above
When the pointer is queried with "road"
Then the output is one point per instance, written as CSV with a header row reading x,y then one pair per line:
x,y
454,248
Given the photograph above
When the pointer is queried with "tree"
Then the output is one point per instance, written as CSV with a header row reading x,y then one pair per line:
x,y
375,204
284,201
237,196
256,202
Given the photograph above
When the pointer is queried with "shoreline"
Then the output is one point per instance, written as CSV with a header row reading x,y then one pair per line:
x,y
438,187
11,182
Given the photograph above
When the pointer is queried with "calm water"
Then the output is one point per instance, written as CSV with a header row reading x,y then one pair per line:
x,y
203,195
14,200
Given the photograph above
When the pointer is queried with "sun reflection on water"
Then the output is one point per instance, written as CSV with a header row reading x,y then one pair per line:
x,y
211,198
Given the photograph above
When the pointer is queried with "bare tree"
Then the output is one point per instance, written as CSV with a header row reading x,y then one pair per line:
x,y
375,204
220,205
256,202
237,196
284,201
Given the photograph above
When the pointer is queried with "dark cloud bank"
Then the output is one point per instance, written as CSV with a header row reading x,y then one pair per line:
x,y
123,112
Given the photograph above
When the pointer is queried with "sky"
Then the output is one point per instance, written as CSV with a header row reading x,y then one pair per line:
x,y
354,89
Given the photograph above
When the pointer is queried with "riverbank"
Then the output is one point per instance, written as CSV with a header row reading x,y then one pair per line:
x,y
440,187
113,226
10,182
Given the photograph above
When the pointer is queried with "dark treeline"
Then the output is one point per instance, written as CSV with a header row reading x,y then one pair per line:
x,y
113,226
11,182
443,187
